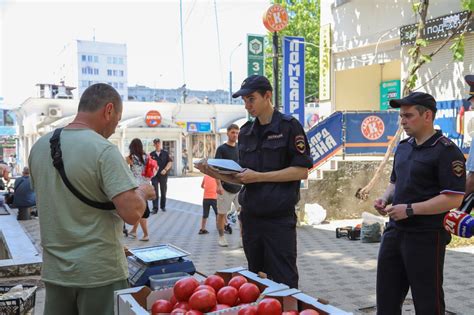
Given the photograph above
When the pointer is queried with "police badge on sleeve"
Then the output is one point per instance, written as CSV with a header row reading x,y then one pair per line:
x,y
300,144
458,168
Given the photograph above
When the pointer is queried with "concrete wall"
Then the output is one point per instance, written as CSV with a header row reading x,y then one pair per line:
x,y
336,192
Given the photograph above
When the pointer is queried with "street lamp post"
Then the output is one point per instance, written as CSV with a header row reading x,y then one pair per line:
x,y
230,72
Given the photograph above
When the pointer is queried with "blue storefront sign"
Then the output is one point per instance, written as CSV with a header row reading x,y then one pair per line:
x,y
293,94
199,127
325,139
369,133
449,119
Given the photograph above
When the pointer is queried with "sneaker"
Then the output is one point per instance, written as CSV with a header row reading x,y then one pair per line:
x,y
154,211
203,231
222,241
228,229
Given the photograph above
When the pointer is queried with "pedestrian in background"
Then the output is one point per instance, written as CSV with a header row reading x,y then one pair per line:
x,y
137,160
209,200
228,193
160,180
185,160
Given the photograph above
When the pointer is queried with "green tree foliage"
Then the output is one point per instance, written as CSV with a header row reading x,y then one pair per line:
x,y
303,21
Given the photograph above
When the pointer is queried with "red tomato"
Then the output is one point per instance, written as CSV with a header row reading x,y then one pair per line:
x,y
292,312
202,300
184,288
193,312
248,293
309,312
237,281
173,300
248,310
215,281
219,307
161,306
205,287
228,295
269,306
182,305
179,311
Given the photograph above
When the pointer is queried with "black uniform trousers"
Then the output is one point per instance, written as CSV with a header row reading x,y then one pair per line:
x,y
411,260
270,247
161,182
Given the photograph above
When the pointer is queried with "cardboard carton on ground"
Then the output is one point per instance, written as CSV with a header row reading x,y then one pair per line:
x,y
305,301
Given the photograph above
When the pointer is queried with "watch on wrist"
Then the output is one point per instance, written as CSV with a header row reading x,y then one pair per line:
x,y
409,210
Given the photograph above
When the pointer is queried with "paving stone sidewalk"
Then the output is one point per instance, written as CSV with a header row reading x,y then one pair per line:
x,y
338,270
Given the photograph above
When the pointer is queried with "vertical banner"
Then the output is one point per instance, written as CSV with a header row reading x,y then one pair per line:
x,y
293,77
325,139
255,56
325,63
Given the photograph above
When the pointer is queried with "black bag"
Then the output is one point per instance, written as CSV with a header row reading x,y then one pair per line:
x,y
9,198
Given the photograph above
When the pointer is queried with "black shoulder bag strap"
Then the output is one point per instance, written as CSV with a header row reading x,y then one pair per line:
x,y
56,154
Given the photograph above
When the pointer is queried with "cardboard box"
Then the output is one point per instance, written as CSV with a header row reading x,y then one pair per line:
x,y
293,299
138,301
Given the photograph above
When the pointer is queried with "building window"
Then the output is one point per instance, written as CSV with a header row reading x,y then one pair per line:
x,y
96,58
121,85
89,58
84,83
120,60
109,83
109,72
83,57
115,60
116,85
121,73
84,70
109,59
96,71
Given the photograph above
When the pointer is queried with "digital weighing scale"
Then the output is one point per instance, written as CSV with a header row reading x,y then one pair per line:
x,y
156,260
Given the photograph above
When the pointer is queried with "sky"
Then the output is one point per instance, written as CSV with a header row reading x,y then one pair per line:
x,y
32,33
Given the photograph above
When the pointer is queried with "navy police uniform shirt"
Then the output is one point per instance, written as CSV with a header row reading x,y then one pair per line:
x,y
421,172
272,147
162,160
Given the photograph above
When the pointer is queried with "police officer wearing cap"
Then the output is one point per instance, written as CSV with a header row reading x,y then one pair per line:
x,y
275,152
427,180
470,159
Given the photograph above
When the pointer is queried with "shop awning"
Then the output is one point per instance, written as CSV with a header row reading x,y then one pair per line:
x,y
239,122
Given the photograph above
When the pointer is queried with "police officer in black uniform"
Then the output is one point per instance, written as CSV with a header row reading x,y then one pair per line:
x,y
160,180
427,180
275,152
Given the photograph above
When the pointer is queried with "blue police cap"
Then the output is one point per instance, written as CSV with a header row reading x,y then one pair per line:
x,y
252,84
415,98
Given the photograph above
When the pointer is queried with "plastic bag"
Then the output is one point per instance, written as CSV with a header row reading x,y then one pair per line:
x,y
315,214
371,230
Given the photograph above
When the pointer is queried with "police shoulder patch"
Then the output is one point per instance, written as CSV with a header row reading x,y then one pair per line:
x,y
458,168
446,141
300,144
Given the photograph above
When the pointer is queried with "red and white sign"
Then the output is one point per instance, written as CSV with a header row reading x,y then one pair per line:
x,y
372,127
275,18
153,118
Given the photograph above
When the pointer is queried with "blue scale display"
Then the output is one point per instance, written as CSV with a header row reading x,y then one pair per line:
x,y
156,260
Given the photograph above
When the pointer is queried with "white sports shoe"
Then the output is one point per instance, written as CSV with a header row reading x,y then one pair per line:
x,y
222,241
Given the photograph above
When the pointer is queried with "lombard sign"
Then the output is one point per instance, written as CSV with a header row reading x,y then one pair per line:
x,y
437,28
325,139
293,77
325,63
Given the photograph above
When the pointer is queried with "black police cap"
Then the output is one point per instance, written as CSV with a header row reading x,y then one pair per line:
x,y
470,82
415,98
252,84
